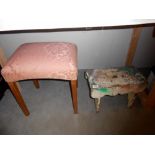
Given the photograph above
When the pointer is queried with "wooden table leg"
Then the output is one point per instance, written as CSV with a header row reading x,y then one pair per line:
x,y
147,100
3,61
133,45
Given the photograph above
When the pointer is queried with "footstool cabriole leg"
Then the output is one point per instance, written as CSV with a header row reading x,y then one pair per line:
x,y
97,103
131,98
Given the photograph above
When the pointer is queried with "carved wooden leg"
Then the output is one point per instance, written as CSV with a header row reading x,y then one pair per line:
x,y
74,95
15,91
131,98
97,103
36,83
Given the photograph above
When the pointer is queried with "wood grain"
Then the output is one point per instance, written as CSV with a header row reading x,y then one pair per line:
x,y
3,61
36,83
15,91
3,58
74,95
133,45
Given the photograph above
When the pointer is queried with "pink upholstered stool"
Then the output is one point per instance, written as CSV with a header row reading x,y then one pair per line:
x,y
45,60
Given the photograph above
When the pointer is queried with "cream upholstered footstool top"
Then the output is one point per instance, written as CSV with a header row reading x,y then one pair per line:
x,y
42,60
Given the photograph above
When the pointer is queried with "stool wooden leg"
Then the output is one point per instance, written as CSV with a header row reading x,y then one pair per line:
x,y
36,83
77,84
97,103
19,87
131,98
150,100
74,95
15,91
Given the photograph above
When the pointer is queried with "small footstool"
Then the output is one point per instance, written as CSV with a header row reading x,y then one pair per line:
x,y
125,80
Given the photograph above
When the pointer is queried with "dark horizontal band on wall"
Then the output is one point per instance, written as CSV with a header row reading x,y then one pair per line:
x,y
78,29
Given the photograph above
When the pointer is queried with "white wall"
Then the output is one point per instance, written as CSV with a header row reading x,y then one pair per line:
x,y
96,49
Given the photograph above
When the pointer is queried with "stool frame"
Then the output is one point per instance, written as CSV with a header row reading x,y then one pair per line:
x,y
16,90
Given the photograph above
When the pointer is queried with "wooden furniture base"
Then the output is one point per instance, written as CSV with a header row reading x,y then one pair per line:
x,y
14,86
148,99
112,82
15,91
74,95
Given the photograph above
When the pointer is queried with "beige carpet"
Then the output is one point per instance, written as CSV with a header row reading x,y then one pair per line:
x,y
52,113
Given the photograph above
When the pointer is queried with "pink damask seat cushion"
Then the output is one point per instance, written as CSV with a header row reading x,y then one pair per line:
x,y
45,60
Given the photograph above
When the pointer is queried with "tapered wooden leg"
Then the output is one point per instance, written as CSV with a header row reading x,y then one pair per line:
x,y
19,87
36,83
74,95
76,83
15,91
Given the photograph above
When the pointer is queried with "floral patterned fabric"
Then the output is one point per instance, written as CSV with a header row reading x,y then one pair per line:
x,y
45,60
